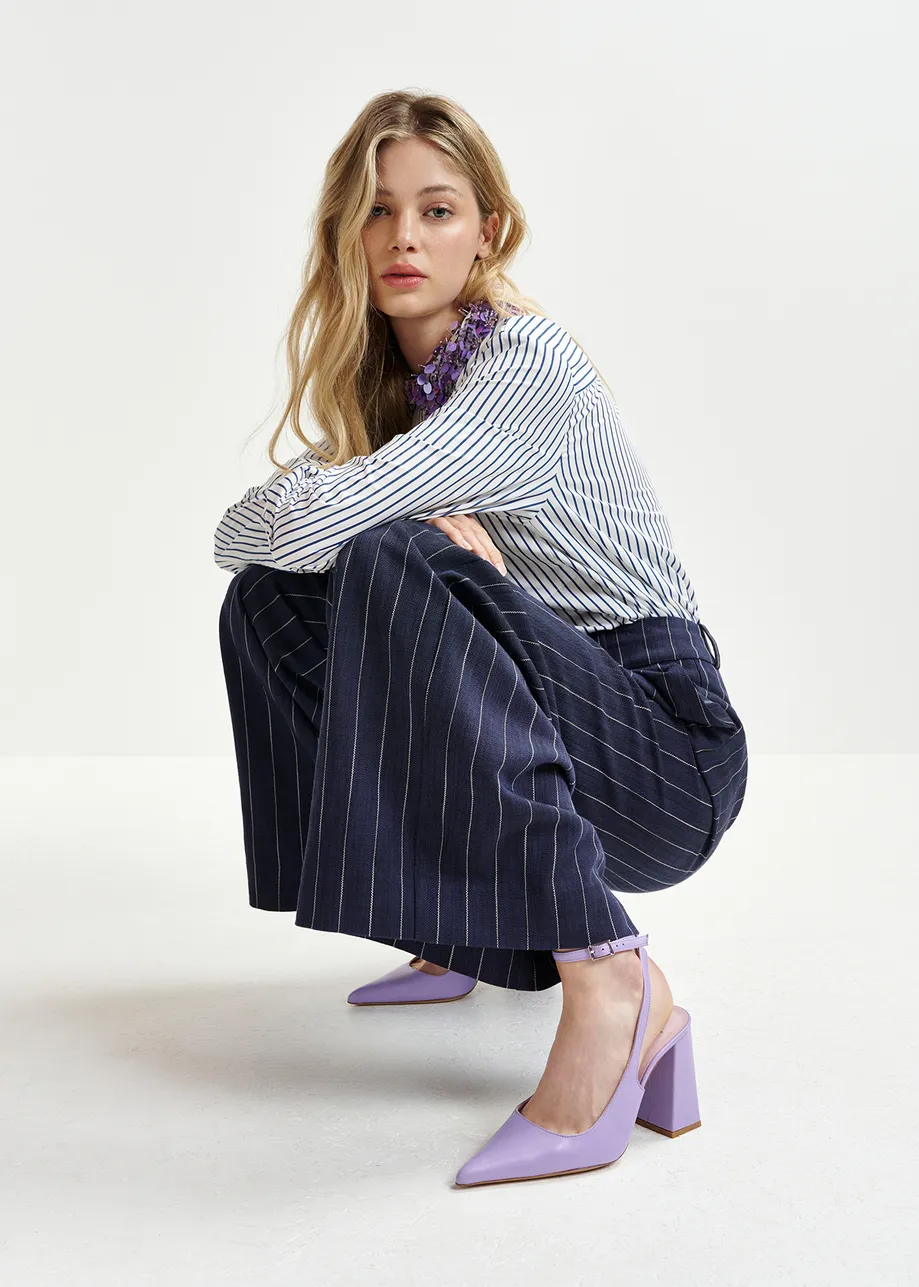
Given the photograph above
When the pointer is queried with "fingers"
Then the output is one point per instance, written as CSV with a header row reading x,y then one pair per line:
x,y
464,531
492,553
482,543
452,530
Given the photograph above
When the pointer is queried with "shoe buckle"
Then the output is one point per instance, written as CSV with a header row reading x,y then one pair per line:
x,y
591,946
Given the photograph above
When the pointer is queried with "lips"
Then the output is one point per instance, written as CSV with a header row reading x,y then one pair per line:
x,y
399,279
402,269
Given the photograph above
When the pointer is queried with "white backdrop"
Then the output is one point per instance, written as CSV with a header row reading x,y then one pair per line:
x,y
723,205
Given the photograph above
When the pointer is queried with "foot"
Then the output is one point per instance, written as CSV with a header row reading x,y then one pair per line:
x,y
601,1003
426,967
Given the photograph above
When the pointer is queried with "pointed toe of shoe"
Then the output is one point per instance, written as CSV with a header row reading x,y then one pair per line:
x,y
478,1170
522,1150
407,986
492,1163
518,1150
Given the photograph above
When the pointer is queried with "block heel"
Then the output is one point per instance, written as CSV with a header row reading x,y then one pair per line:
x,y
670,1104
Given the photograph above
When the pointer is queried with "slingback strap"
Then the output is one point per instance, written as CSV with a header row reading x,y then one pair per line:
x,y
606,948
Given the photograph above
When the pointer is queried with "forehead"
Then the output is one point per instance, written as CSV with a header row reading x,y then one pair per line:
x,y
429,190
414,168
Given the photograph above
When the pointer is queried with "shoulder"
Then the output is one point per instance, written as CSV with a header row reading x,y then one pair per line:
x,y
529,339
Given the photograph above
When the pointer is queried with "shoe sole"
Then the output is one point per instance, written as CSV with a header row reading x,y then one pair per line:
x,y
549,1175
649,1126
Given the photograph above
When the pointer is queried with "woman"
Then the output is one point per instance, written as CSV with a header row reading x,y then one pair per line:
x,y
470,692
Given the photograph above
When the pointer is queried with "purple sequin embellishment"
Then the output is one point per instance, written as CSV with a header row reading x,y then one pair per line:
x,y
432,386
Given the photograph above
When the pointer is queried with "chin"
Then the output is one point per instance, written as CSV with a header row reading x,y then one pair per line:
x,y
406,308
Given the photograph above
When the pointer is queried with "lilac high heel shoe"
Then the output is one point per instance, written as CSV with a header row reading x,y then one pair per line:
x,y
407,986
660,1095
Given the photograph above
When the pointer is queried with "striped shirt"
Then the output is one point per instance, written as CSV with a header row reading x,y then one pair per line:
x,y
529,441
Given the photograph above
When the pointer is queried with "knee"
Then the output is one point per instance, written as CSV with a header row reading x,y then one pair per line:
x,y
394,535
256,585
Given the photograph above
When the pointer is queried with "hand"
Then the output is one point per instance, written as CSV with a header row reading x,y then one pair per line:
x,y
466,531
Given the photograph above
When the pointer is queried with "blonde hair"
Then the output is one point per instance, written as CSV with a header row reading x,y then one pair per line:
x,y
351,369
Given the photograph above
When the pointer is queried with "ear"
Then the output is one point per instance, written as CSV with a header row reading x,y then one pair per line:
x,y
487,236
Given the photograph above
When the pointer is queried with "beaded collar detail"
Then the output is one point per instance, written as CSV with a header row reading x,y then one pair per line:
x,y
433,385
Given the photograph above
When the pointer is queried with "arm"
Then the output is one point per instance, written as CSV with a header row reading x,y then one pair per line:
x,y
229,557
494,445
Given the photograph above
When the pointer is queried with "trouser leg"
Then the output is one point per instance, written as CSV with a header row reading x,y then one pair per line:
x,y
273,642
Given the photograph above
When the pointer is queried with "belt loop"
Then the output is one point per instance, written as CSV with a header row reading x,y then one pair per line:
x,y
716,657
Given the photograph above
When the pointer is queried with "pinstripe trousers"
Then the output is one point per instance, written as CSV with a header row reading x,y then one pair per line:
x,y
430,758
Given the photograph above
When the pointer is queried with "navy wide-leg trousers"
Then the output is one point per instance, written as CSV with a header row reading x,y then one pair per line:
x,y
431,758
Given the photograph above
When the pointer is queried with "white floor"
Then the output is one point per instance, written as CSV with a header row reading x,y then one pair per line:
x,y
188,1099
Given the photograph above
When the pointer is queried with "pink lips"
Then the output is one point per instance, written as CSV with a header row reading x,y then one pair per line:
x,y
403,280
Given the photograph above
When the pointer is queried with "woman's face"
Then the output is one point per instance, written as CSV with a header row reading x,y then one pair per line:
x,y
438,230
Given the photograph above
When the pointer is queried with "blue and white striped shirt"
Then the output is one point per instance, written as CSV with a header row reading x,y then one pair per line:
x,y
530,441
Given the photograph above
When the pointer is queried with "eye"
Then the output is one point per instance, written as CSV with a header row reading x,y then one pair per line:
x,y
433,208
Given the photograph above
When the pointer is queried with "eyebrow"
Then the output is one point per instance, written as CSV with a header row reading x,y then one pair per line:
x,y
422,192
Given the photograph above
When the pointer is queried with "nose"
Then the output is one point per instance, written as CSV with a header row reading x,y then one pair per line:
x,y
404,230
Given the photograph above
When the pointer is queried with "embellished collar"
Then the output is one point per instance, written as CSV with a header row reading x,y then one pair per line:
x,y
433,385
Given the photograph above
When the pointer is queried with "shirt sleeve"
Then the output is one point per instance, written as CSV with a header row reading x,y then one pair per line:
x,y
495,444
231,549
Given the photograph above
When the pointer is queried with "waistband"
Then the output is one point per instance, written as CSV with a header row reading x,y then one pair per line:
x,y
651,639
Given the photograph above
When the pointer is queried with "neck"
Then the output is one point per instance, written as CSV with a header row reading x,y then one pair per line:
x,y
418,337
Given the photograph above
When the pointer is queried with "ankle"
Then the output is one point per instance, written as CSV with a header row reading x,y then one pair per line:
x,y
620,971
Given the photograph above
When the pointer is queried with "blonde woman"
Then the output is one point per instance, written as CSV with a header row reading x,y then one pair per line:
x,y
470,691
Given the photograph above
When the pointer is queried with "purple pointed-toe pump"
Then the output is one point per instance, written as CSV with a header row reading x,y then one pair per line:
x,y
407,986
660,1095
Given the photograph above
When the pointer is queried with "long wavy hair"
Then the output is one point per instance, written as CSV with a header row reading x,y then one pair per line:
x,y
351,369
